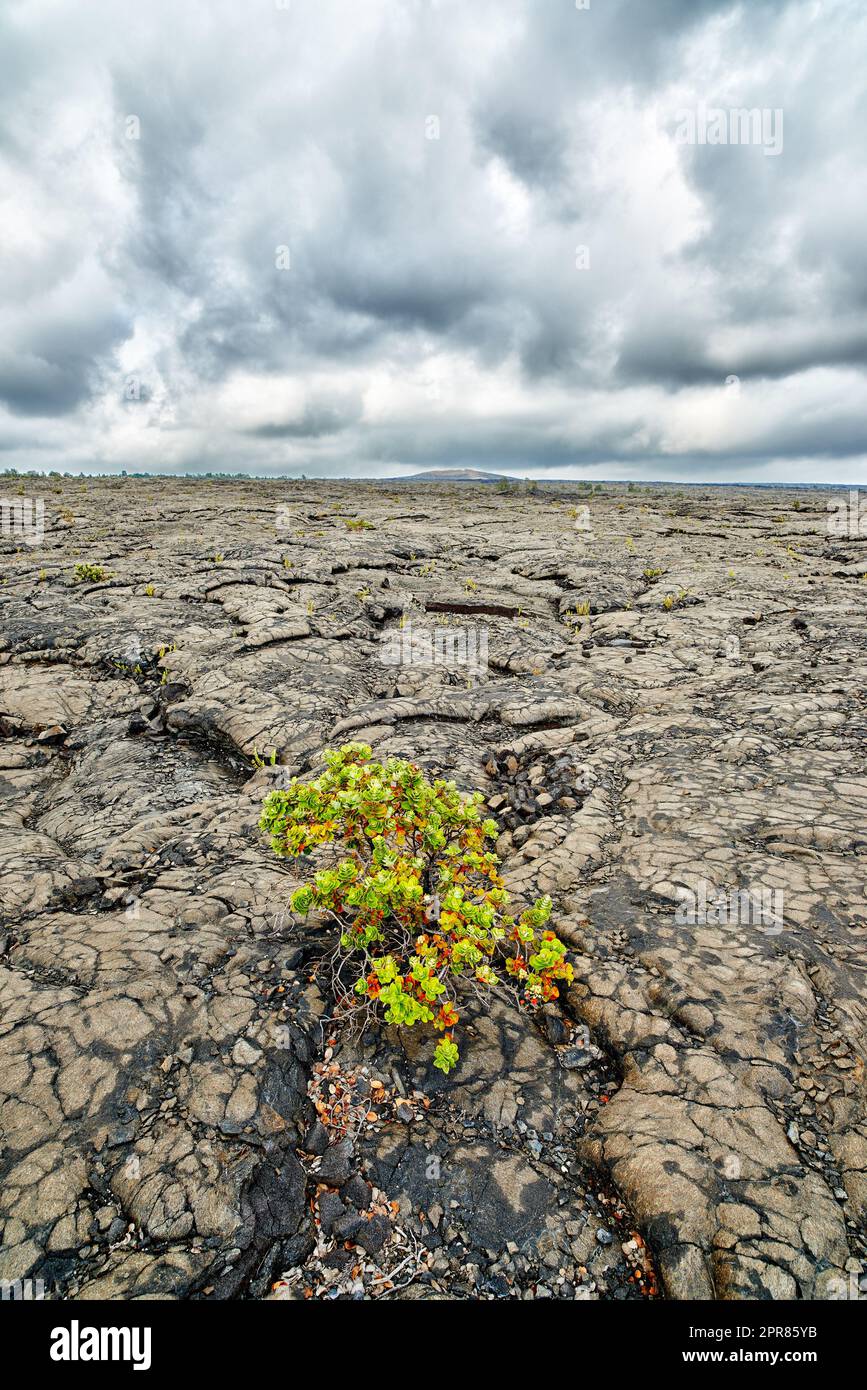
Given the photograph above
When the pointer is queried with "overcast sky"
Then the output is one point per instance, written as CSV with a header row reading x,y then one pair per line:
x,y
374,236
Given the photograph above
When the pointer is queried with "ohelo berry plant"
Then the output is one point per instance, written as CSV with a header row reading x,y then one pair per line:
x,y
418,898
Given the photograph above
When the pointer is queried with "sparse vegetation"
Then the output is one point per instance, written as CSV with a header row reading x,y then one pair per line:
x,y
259,761
93,574
419,901
675,600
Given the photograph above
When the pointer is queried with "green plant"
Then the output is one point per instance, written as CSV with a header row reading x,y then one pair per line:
x,y
417,896
150,590
359,525
651,574
96,574
259,761
675,600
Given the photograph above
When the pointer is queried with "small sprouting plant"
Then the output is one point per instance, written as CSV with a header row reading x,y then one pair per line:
x,y
630,543
150,590
651,574
416,894
287,563
94,574
259,761
471,586
582,610
675,600
359,524
218,558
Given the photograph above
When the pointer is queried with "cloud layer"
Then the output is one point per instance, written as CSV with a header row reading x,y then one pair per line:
x,y
341,238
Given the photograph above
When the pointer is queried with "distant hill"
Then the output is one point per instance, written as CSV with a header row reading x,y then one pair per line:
x,y
453,475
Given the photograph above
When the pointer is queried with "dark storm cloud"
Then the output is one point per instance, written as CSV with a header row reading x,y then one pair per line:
x,y
528,141
319,418
31,386
56,363
340,237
